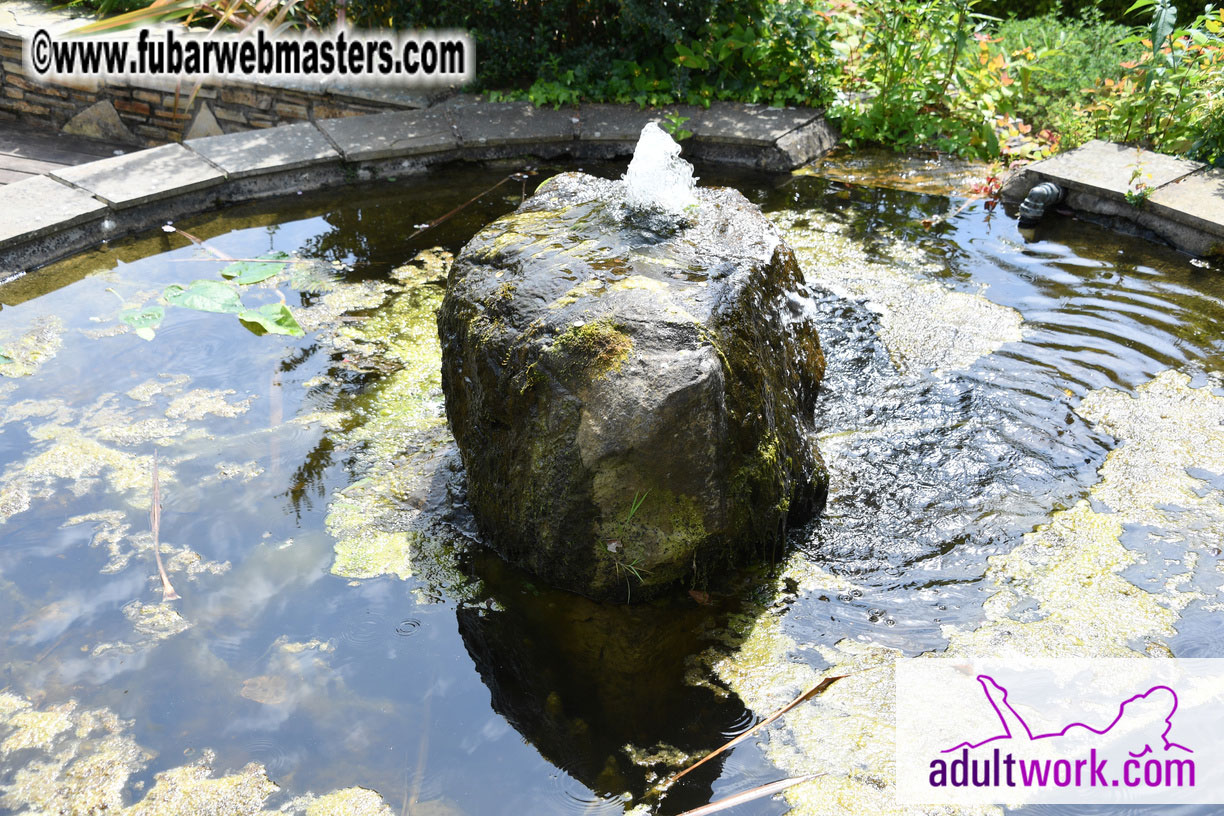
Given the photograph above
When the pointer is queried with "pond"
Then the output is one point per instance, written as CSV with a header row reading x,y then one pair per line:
x,y
1026,454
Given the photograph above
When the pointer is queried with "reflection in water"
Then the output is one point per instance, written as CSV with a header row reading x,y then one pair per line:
x,y
337,608
591,684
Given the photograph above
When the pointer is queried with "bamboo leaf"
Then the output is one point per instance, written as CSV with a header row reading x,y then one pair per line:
x,y
159,12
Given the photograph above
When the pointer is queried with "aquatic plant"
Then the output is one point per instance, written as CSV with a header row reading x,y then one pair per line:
x,y
168,593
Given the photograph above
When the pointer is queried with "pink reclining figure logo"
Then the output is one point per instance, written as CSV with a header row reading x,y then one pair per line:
x,y
1015,728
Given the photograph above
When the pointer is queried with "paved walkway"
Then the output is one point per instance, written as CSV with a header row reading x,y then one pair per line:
x,y
27,151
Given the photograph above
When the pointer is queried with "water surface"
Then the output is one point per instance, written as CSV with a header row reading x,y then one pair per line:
x,y
340,626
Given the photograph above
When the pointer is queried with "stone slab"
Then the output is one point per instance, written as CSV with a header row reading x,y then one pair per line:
x,y
397,97
21,18
100,121
40,205
807,142
513,123
144,176
390,135
261,151
204,124
1111,169
1197,200
757,125
615,123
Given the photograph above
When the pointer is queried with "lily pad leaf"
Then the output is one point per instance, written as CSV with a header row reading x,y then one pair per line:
x,y
4,359
205,296
272,318
145,333
149,317
245,272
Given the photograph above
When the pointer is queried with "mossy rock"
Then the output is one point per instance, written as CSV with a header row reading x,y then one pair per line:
x,y
634,403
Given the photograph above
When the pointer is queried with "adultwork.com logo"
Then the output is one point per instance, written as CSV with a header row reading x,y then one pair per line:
x,y
1060,731
984,764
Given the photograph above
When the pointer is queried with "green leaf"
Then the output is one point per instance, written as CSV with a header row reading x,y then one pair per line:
x,y
992,139
4,360
205,296
149,317
1162,24
272,318
245,272
145,333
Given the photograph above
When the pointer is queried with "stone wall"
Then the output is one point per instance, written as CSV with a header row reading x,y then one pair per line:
x,y
153,114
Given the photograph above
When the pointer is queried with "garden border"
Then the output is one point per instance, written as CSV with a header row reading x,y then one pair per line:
x,y
48,217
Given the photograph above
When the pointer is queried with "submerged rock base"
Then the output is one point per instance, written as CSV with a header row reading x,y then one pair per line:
x,y
632,392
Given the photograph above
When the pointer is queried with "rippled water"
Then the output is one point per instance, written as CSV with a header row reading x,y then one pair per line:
x,y
959,356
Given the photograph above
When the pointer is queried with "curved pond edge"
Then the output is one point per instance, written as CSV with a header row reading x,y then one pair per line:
x,y
48,217
1163,198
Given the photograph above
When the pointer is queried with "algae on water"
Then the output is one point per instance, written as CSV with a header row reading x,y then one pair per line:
x,y
398,431
61,759
1061,592
1167,428
924,324
76,762
200,402
24,355
346,802
112,531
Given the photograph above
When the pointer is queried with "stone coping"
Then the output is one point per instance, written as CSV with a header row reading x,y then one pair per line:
x,y
1178,201
49,217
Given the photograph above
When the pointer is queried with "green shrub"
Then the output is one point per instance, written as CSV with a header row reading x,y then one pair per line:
x,y
1209,145
109,6
1169,98
1076,55
1114,10
560,51
918,74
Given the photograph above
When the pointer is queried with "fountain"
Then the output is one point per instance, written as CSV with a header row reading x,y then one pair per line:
x,y
657,178
630,370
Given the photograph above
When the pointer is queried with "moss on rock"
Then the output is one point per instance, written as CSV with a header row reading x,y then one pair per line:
x,y
592,350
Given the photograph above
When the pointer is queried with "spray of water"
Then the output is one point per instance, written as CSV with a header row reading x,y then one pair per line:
x,y
657,178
